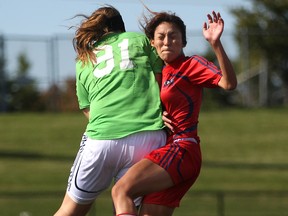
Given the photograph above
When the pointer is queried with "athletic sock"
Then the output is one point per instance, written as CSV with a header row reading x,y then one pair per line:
x,y
126,214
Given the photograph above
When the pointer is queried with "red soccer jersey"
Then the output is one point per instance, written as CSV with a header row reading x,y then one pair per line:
x,y
181,93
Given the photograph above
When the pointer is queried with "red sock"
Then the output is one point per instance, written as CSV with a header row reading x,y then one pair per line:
x,y
126,214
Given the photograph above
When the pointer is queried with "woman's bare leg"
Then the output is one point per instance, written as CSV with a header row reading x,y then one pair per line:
x,y
142,178
155,210
71,208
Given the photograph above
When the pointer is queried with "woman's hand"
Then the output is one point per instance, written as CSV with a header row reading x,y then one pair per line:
x,y
213,30
167,121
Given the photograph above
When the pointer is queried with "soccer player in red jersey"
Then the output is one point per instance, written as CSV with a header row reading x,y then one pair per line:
x,y
167,173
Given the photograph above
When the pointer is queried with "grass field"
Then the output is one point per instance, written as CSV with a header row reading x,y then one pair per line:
x,y
245,163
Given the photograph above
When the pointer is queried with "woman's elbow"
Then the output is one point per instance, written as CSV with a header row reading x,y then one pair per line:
x,y
228,86
231,86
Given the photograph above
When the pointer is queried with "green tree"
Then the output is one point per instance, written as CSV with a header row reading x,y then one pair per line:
x,y
22,90
266,27
3,102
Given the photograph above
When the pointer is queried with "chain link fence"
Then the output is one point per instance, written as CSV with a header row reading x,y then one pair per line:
x,y
52,63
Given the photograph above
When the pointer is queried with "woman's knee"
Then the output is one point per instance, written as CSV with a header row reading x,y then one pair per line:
x,y
118,190
123,190
115,191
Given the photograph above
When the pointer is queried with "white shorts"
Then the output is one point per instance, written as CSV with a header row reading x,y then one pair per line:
x,y
98,162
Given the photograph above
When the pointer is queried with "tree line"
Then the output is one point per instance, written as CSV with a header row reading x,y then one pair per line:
x,y
261,34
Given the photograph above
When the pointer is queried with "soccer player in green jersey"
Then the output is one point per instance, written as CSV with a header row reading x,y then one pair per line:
x,y
117,89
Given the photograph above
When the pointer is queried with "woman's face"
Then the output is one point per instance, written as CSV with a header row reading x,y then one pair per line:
x,y
168,42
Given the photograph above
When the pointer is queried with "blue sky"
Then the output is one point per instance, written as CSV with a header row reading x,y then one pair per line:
x,y
45,17
49,18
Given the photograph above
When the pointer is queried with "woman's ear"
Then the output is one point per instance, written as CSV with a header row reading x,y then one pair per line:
x,y
152,43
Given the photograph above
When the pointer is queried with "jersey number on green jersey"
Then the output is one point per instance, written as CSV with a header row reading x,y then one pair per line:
x,y
108,60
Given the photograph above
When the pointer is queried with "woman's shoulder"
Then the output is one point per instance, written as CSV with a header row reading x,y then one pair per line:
x,y
198,58
138,35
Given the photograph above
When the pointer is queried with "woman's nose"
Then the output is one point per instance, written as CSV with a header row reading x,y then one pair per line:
x,y
167,40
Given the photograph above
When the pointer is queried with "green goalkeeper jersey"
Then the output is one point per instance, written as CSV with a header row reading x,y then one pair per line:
x,y
120,89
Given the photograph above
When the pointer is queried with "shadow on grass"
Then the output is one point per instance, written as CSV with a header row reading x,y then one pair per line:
x,y
33,156
210,164
256,166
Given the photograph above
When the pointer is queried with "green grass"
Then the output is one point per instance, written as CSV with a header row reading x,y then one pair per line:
x,y
244,151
